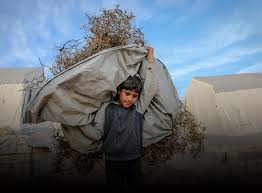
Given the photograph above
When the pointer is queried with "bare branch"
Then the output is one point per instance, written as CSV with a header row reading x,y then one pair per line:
x,y
113,27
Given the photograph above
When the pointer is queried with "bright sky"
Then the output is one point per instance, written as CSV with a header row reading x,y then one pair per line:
x,y
192,37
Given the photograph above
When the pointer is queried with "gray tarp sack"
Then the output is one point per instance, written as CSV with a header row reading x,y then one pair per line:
x,y
73,96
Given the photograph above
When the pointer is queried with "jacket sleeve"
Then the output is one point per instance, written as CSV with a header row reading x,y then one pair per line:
x,y
95,129
149,88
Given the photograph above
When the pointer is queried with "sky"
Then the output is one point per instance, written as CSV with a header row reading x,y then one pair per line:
x,y
193,38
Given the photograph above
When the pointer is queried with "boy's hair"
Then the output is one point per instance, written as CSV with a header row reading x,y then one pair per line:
x,y
132,83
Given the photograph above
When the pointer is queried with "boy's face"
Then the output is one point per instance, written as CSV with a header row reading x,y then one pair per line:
x,y
128,97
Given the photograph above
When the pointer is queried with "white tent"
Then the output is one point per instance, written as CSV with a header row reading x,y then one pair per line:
x,y
13,95
230,107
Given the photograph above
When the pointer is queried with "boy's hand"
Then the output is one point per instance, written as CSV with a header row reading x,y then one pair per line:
x,y
150,54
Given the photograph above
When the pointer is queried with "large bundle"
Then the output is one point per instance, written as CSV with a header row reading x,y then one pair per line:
x,y
73,96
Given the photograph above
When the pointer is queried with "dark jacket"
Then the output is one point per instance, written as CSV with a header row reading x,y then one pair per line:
x,y
122,133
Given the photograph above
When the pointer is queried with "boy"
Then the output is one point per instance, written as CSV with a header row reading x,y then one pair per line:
x,y
119,124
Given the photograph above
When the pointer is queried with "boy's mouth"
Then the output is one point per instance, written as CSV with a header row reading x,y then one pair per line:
x,y
127,104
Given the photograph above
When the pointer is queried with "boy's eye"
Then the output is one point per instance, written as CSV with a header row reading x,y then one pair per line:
x,y
134,95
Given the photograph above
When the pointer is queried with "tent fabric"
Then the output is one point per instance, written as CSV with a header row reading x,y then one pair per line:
x,y
229,105
13,96
73,96
233,82
18,75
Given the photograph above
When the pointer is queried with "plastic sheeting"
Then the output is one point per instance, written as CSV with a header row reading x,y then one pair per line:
x,y
73,96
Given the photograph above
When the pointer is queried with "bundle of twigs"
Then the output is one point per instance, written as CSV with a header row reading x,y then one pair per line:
x,y
113,27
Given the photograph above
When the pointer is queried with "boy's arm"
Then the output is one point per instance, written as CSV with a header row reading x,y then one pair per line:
x,y
149,88
95,130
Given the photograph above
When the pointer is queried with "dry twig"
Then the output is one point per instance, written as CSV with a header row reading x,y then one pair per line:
x,y
113,27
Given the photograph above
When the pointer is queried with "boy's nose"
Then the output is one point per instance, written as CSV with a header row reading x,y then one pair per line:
x,y
130,99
